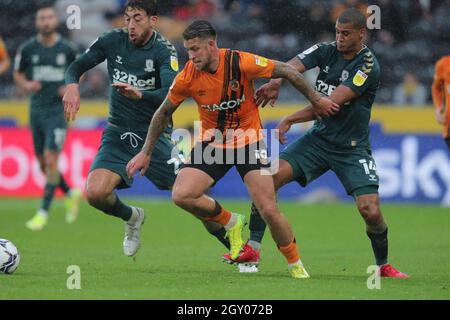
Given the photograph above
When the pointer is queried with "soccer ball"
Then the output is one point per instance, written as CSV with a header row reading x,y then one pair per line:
x,y
9,257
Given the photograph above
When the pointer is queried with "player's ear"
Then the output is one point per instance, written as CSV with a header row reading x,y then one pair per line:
x,y
362,33
153,21
211,42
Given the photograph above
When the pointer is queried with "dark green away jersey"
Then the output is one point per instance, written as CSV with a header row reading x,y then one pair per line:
x,y
46,65
150,69
350,126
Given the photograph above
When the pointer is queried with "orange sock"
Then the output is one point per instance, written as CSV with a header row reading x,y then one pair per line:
x,y
290,252
222,218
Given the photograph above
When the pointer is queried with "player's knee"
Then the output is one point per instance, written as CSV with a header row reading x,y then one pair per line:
x,y
96,196
50,163
370,211
270,213
182,198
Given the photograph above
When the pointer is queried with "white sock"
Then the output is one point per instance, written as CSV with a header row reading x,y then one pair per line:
x,y
42,212
299,261
254,244
232,222
134,215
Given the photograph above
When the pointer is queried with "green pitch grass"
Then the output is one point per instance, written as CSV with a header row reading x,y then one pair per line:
x,y
179,260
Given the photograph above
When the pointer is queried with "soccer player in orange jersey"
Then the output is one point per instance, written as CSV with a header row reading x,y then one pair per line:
x,y
221,83
441,95
5,62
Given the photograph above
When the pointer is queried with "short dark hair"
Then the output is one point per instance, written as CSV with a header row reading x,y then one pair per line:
x,y
149,6
199,29
353,16
45,6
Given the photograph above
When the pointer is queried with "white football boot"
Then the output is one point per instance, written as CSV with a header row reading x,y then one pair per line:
x,y
132,240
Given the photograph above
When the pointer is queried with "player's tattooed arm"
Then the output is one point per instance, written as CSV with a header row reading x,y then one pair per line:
x,y
159,122
323,105
286,71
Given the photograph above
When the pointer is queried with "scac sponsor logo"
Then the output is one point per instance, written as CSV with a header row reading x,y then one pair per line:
x,y
409,173
131,79
224,105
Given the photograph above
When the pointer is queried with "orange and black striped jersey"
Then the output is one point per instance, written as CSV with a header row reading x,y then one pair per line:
x,y
441,90
225,99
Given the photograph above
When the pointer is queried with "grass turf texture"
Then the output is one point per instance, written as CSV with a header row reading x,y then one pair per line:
x,y
179,260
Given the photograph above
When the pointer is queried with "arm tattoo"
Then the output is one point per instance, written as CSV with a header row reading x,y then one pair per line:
x,y
283,70
159,122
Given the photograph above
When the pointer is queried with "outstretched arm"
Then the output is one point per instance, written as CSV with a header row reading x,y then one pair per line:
x,y
83,63
324,106
304,115
159,122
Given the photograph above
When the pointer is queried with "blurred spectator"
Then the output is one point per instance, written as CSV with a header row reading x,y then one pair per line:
x,y
392,21
441,22
5,62
204,9
245,10
343,5
95,85
316,22
93,18
410,91
414,33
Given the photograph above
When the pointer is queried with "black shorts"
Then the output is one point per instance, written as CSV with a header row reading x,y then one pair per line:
x,y
447,141
216,162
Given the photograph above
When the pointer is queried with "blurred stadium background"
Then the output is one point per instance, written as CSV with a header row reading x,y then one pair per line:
x,y
413,162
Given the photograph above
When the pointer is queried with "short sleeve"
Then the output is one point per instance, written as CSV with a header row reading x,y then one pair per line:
x,y
255,66
179,91
313,56
364,76
21,60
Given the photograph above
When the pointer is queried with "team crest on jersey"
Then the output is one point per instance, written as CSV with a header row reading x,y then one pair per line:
x,y
234,85
35,58
174,63
149,65
260,61
360,78
344,75
60,59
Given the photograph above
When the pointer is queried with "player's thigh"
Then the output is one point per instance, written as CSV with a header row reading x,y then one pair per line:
x,y
38,136
356,169
211,161
101,182
165,164
307,160
252,157
191,183
113,155
283,174
261,190
55,133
